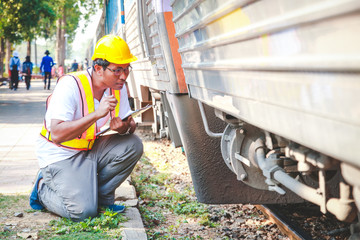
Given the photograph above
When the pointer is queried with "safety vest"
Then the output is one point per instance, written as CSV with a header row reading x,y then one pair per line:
x,y
87,139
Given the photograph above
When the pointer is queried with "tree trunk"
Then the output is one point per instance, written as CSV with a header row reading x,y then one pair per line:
x,y
60,53
58,42
28,51
2,55
63,40
8,56
35,52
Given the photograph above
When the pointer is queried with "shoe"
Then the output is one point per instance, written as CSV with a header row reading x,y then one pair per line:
x,y
34,197
116,208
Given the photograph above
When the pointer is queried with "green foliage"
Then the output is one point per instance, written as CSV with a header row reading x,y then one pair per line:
x,y
25,19
193,209
36,70
5,200
81,236
151,218
155,187
4,234
105,226
72,11
107,220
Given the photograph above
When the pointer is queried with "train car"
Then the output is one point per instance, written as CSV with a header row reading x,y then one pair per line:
x,y
262,95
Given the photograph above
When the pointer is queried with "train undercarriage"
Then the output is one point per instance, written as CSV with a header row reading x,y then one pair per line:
x,y
265,168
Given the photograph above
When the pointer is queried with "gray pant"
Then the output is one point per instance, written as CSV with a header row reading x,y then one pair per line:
x,y
75,187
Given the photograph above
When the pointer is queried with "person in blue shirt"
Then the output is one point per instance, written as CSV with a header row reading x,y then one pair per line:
x,y
74,66
46,65
14,68
27,68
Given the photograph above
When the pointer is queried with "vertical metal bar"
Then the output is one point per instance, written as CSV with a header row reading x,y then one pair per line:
x,y
206,125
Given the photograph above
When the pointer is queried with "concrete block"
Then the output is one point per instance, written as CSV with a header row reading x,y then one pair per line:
x,y
134,228
128,203
125,192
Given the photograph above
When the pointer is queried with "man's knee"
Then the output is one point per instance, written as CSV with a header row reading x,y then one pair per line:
x,y
138,146
134,145
82,212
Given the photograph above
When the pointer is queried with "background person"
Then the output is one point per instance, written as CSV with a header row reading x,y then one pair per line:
x,y
79,172
27,68
46,65
60,70
14,67
86,63
74,66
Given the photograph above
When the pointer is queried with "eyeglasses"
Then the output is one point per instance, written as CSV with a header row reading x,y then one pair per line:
x,y
121,70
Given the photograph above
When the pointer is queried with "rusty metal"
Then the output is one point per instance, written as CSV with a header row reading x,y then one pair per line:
x,y
283,223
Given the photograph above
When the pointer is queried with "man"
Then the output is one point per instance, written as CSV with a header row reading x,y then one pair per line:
x,y
60,70
74,66
86,63
46,65
27,68
79,172
14,69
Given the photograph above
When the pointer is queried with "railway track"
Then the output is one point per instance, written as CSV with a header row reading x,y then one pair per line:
x,y
308,223
285,225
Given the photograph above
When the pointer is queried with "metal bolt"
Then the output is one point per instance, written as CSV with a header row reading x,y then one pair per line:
x,y
242,176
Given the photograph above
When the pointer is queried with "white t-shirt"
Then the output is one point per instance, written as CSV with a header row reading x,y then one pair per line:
x,y
65,105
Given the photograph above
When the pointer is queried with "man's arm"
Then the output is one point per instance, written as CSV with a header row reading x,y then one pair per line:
x,y
62,131
41,65
11,63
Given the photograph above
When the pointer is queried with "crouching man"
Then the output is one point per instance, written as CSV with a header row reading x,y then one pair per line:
x,y
79,171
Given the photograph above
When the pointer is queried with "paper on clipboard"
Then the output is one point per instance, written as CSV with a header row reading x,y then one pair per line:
x,y
131,113
136,112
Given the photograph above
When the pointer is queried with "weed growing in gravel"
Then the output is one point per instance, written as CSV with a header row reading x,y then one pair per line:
x,y
162,196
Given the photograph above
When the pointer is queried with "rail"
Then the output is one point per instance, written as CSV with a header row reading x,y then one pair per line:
x,y
283,223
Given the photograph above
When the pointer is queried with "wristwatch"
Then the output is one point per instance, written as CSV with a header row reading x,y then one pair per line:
x,y
126,133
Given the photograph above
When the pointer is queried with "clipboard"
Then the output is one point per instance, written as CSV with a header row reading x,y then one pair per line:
x,y
136,112
131,113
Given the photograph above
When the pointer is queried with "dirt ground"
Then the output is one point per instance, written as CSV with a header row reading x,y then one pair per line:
x,y
236,221
18,218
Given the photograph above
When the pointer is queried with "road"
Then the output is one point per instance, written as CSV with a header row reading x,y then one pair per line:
x,y
21,117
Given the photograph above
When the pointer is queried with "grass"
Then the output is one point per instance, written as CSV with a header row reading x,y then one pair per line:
x,y
9,200
161,197
107,225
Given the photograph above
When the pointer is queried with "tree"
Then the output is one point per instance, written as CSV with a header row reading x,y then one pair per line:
x,y
23,20
70,13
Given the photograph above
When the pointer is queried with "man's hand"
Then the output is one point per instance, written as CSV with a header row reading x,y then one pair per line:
x,y
107,104
122,127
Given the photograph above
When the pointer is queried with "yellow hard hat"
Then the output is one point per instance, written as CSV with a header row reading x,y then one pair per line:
x,y
113,49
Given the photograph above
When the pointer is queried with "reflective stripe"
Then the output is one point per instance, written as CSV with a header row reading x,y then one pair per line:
x,y
116,111
87,139
87,95
78,144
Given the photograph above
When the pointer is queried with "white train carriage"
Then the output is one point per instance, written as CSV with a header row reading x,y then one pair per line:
x,y
264,99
